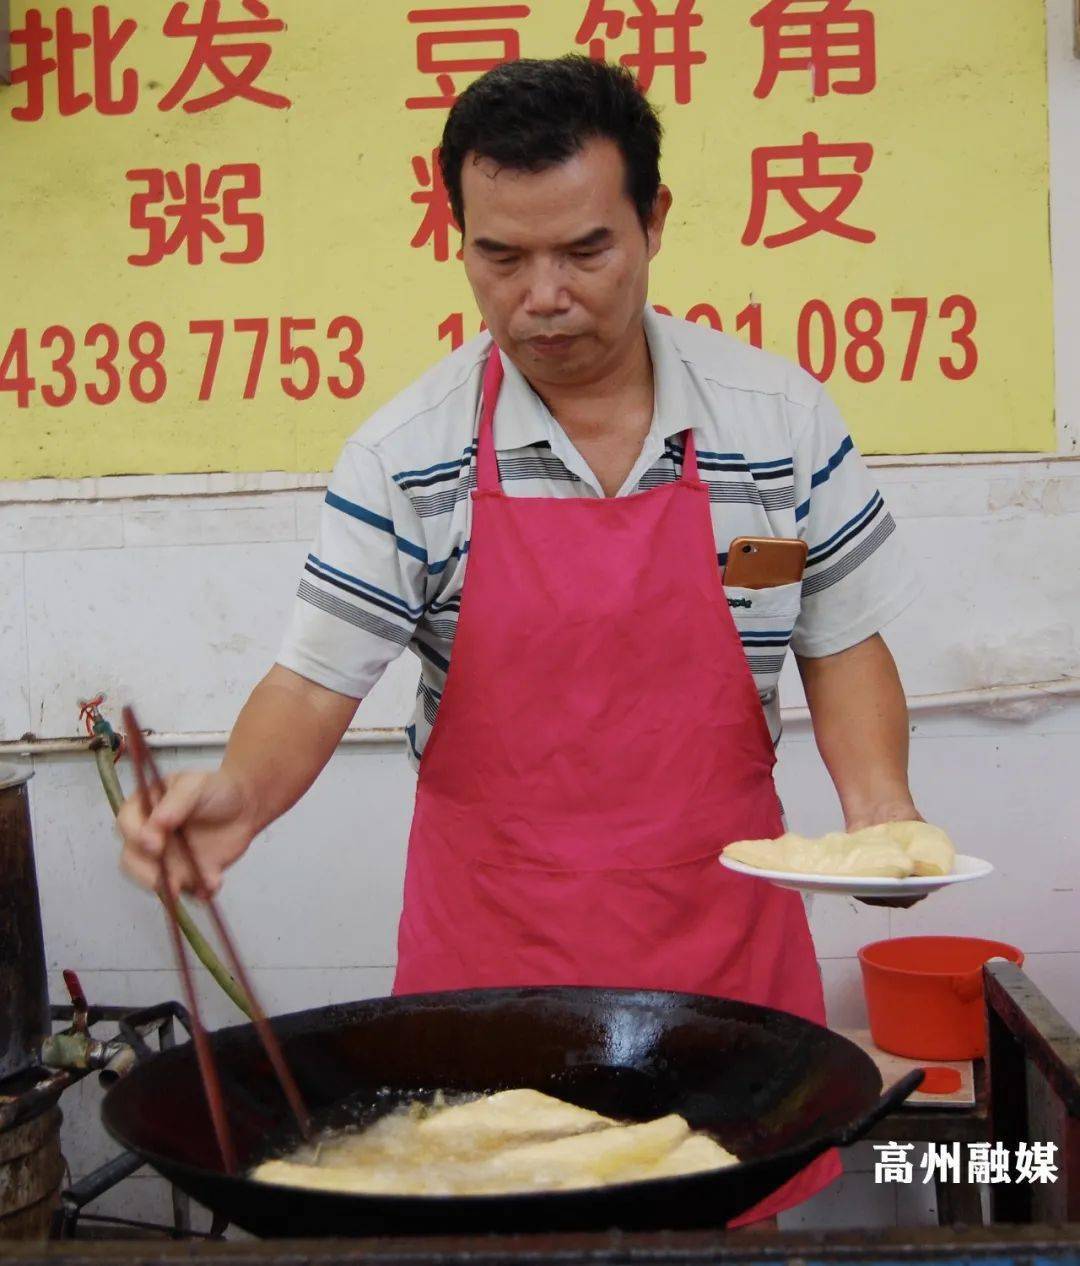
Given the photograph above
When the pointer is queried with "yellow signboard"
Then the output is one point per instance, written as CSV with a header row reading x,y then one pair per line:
x,y
226,241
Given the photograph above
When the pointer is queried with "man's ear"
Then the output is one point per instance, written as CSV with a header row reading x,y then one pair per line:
x,y
654,231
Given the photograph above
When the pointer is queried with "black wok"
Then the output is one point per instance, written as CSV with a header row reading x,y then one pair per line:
x,y
775,1090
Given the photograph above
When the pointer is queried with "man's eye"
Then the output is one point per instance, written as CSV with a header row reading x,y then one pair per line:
x,y
504,259
584,254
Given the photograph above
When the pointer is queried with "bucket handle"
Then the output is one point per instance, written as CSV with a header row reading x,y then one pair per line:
x,y
969,985
890,1100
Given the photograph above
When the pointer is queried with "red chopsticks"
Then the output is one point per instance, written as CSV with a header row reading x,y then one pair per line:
x,y
151,789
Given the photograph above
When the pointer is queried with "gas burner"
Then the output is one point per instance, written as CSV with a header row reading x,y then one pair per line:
x,y
30,1118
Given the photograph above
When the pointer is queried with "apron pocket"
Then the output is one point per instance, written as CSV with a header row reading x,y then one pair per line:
x,y
690,927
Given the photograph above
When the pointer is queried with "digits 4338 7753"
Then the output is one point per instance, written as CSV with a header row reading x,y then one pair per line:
x,y
102,363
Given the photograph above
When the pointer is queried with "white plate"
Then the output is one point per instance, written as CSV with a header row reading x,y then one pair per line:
x,y
852,886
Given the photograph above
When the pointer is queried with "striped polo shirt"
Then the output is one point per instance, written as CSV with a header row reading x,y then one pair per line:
x,y
386,569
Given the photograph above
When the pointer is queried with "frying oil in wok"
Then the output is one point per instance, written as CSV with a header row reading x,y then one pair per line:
x,y
512,1141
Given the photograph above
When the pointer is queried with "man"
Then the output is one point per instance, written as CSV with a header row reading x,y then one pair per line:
x,y
546,514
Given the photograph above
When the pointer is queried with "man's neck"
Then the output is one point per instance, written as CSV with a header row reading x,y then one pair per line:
x,y
608,419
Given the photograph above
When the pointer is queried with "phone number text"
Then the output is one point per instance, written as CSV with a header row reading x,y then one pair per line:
x,y
102,363
850,339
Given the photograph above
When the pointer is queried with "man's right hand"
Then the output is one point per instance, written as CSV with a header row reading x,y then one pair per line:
x,y
217,817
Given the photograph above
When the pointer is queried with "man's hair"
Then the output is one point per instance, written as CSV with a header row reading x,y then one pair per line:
x,y
530,115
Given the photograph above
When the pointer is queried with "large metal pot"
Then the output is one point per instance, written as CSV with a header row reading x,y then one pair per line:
x,y
24,993
30,1162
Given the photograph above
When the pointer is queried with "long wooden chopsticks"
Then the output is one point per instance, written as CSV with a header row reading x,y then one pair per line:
x,y
151,788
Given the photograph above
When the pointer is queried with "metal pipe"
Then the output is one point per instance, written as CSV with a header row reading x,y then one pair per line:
x,y
981,697
84,1053
29,745
72,1050
75,1198
118,1064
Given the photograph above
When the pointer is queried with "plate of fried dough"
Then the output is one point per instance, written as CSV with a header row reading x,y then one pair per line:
x,y
894,859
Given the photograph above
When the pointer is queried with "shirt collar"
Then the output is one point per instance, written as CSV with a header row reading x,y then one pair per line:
x,y
522,418
671,408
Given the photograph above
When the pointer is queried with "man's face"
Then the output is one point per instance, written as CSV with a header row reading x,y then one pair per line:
x,y
559,262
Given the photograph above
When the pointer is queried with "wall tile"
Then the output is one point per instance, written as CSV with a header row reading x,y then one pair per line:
x,y
164,521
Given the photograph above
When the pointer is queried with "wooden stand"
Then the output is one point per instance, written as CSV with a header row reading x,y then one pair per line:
x,y
1034,1069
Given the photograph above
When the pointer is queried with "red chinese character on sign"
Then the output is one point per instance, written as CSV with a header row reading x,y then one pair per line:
x,y
648,23
213,51
438,222
828,37
428,44
197,212
105,45
809,155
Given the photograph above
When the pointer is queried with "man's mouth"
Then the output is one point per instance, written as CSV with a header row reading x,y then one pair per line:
x,y
551,342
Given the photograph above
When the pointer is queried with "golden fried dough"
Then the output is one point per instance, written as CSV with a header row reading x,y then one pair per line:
x,y
892,850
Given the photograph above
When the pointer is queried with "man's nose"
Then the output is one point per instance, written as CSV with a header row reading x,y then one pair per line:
x,y
546,294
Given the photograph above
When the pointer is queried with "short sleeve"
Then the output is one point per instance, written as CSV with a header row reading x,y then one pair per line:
x,y
857,577
362,588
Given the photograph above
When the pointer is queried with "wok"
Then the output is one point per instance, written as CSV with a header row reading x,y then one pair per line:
x,y
774,1089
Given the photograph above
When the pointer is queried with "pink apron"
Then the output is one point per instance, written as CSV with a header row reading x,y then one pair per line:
x,y
599,740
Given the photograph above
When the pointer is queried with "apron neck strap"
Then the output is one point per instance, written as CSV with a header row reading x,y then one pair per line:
x,y
689,457
487,463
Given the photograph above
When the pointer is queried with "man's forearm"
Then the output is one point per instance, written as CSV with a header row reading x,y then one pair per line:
x,y
860,721
284,735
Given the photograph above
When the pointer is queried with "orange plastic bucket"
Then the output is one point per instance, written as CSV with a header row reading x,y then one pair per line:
x,y
924,994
